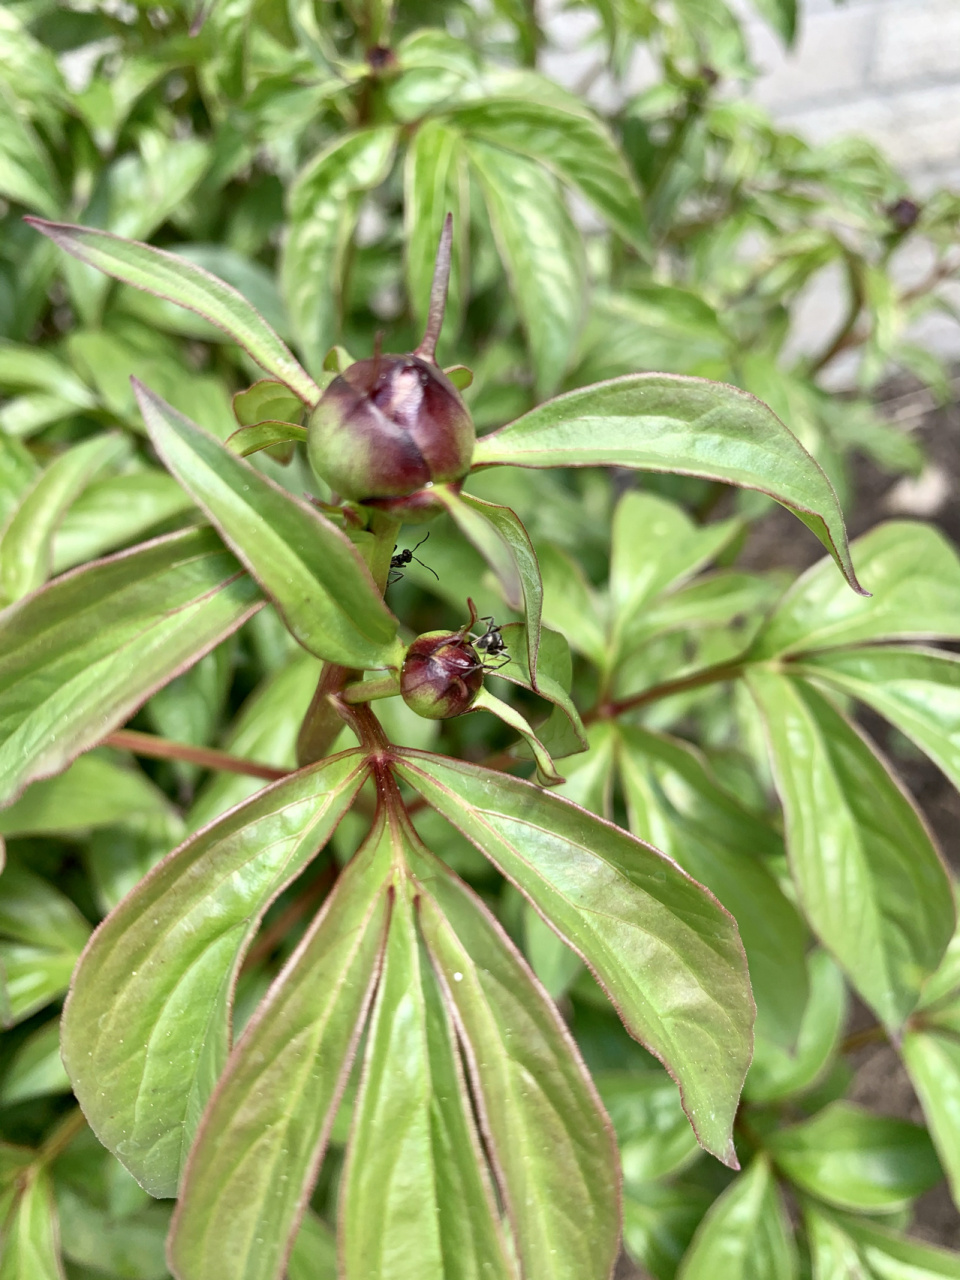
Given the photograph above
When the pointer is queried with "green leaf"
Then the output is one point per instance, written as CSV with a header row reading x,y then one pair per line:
x,y
932,1058
782,16
659,1222
416,1201
562,733
95,791
547,774
266,435
324,202
914,574
542,252
265,730
548,1137
30,1237
146,1026
26,543
918,690
179,281
262,1136
499,536
130,1244
32,910
436,182
666,951
566,138
673,802
654,1137
777,1073
571,606
266,401
663,422
868,875
745,1235
311,570
855,1160
314,1252
35,1071
27,176
79,657
655,547
870,1252
112,512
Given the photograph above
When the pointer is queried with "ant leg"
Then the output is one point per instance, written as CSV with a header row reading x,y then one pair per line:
x,y
393,576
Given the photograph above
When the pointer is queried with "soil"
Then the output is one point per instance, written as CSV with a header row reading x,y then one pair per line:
x,y
881,1083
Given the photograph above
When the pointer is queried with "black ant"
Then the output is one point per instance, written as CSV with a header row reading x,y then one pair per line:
x,y
491,644
400,559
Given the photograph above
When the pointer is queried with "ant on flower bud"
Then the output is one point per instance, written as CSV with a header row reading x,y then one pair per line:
x,y
491,643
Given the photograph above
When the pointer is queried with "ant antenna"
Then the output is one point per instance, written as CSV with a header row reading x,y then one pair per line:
x,y
413,556
438,293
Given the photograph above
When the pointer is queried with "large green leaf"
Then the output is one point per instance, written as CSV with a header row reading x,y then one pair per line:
x,y
41,936
562,733
542,252
569,140
147,1025
916,689
675,804
251,1170
180,281
95,791
667,952
499,536
549,1140
112,512
653,1135
855,1160
324,203
914,574
664,422
308,566
746,1234
27,176
867,872
26,542
659,1220
416,1202
932,1057
80,656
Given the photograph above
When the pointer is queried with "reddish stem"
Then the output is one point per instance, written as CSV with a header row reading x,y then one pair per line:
x,y
147,744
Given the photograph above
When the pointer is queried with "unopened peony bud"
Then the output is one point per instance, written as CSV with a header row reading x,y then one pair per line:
x,y
441,675
389,426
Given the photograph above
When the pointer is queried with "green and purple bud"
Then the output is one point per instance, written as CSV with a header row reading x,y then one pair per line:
x,y
441,675
392,425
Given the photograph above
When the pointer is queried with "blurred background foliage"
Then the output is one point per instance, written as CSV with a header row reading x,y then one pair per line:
x,y
307,152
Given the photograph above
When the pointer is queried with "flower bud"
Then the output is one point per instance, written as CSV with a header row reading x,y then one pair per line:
x,y
441,675
389,426
392,425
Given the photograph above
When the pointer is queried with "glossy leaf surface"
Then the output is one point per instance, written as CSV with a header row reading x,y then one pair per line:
x,y
662,422
932,1057
80,656
653,1134
666,951
745,1235
180,281
873,1252
29,1245
868,875
855,1160
550,1142
251,1170
311,570
562,733
914,574
147,1026
918,690
416,1202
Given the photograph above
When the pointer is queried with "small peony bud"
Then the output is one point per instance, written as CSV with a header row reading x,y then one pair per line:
x,y
904,214
390,426
441,675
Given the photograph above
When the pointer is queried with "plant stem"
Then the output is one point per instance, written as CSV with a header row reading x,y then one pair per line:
x,y
371,690
709,675
845,336
147,744
73,1122
874,1034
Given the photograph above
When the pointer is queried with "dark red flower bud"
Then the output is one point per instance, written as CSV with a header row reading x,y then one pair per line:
x,y
441,675
903,214
392,425
388,426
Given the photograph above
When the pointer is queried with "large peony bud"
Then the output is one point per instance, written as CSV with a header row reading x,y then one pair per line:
x,y
389,426
392,425
441,675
